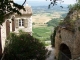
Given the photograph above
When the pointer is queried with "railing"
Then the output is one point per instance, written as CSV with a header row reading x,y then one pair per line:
x,y
62,56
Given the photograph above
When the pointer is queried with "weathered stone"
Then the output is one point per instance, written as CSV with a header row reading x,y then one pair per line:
x,y
70,39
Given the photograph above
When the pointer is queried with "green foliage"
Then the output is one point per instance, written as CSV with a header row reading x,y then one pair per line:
x,y
33,23
70,6
8,7
24,47
59,36
79,28
42,33
68,24
53,22
54,2
21,32
63,15
75,6
61,22
53,37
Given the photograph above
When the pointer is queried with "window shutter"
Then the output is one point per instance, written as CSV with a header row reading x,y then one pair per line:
x,y
26,23
17,24
13,25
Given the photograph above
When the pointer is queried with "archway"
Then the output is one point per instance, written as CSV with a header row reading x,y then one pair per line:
x,y
64,52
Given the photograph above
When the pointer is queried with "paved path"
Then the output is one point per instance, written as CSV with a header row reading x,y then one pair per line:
x,y
51,56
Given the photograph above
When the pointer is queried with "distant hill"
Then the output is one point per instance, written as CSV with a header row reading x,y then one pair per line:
x,y
44,9
42,3
41,14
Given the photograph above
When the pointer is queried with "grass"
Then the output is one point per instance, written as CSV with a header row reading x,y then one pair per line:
x,y
42,33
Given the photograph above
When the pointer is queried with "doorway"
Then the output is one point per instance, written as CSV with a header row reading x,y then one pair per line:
x,y
64,53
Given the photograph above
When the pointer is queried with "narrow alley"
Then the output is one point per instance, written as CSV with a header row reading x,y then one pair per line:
x,y
51,56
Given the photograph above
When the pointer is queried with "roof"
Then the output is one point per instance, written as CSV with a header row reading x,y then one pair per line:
x,y
28,10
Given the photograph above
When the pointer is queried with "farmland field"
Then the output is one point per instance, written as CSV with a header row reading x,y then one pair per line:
x,y
42,33
42,15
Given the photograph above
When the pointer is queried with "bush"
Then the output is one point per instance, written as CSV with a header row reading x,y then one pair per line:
x,y
24,47
53,37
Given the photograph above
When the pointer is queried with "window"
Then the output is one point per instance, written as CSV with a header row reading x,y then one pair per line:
x,y
21,22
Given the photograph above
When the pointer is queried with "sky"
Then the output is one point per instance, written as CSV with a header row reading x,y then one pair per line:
x,y
43,2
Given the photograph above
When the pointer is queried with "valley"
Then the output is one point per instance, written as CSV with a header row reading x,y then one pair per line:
x,y
41,16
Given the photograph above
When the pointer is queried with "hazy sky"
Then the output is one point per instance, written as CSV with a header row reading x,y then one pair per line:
x,y
39,2
65,1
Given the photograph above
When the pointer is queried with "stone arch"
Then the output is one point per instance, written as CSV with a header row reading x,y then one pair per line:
x,y
64,49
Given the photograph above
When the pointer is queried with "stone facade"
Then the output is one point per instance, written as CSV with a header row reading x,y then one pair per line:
x,y
69,39
16,23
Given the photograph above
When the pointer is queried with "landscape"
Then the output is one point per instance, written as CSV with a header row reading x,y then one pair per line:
x,y
44,20
39,30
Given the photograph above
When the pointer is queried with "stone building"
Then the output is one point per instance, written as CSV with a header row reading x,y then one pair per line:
x,y
16,23
67,43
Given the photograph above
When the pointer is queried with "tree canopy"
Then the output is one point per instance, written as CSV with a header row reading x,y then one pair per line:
x,y
54,22
8,7
75,6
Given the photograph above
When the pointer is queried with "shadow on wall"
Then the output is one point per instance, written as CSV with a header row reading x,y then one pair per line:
x,y
64,53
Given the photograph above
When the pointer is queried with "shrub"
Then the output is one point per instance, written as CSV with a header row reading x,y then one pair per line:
x,y
53,37
33,23
24,47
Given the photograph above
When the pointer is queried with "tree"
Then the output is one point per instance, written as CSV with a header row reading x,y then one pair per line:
x,y
53,37
8,7
24,47
53,22
54,2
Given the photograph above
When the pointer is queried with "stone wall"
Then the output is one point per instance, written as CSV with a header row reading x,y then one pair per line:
x,y
66,37
77,39
71,39
29,25
3,35
57,43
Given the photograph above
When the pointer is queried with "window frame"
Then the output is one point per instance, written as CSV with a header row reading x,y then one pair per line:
x,y
21,22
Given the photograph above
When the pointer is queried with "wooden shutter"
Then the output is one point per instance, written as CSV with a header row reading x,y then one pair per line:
x,y
13,25
25,23
7,28
16,23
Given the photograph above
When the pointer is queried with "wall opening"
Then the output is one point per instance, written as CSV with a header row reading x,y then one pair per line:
x,y
13,25
64,52
7,28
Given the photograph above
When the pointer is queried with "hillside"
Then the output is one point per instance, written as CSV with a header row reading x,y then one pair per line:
x,y
41,14
42,18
